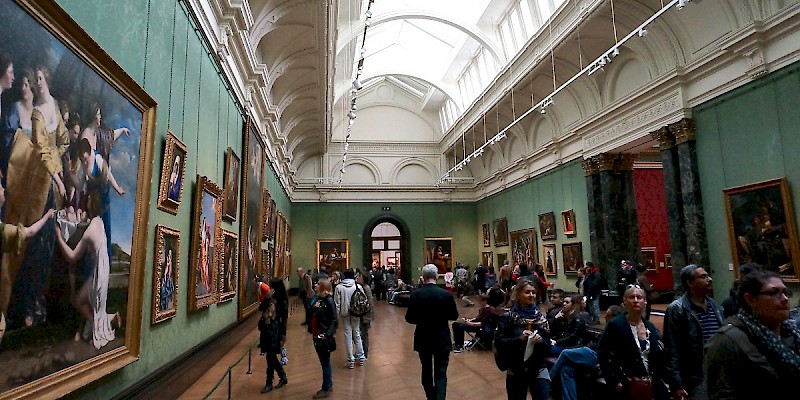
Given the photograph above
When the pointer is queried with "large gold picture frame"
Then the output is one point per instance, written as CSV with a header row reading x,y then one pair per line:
x,y
439,252
39,33
333,254
228,265
203,271
761,227
173,172
166,274
251,223
524,247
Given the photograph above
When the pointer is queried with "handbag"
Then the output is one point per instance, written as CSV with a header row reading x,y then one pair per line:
x,y
640,388
328,343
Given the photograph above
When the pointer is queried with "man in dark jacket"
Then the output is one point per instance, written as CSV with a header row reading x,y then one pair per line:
x,y
593,285
430,308
689,322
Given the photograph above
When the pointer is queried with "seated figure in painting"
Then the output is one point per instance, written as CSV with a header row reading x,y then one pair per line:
x,y
90,299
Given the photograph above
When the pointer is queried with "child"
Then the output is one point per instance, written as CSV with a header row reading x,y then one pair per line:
x,y
271,341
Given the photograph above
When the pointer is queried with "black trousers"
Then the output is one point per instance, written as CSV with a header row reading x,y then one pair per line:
x,y
458,333
434,373
273,365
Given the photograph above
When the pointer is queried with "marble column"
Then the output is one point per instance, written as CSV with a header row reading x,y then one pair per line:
x,y
628,243
591,171
674,200
693,215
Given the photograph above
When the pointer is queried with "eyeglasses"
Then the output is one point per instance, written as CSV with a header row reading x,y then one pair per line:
x,y
776,293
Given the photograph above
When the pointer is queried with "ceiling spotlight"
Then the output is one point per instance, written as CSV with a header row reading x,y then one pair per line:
x,y
353,107
357,84
368,22
543,111
642,32
363,52
352,115
350,122
615,52
368,14
681,4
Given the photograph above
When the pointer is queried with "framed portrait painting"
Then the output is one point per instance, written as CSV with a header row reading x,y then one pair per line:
x,y
550,261
41,355
649,258
233,173
501,258
267,204
573,257
568,222
547,226
165,274
500,228
523,247
228,265
439,252
486,259
761,227
333,254
668,260
485,235
251,223
173,170
205,247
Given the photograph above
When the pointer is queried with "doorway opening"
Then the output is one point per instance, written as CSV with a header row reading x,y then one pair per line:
x,y
387,246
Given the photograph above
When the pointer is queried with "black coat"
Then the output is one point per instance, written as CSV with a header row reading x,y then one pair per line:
x,y
273,332
324,309
430,308
512,348
620,357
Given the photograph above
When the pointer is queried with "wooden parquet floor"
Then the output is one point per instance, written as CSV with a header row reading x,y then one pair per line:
x,y
391,373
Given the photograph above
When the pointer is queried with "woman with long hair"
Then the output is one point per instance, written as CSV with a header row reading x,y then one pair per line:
x,y
519,329
272,326
322,329
630,352
756,353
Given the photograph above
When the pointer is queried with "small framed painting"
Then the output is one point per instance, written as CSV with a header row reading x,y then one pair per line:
x,y
573,257
547,226
485,234
165,274
172,175
550,260
568,222
230,201
486,259
649,258
229,266
205,246
668,260
500,232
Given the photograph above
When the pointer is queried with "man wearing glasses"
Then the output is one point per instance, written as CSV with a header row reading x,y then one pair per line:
x,y
689,322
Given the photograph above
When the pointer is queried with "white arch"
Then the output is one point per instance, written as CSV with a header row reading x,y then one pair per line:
x,y
413,161
369,164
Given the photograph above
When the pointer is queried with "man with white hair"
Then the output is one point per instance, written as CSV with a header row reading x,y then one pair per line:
x,y
430,308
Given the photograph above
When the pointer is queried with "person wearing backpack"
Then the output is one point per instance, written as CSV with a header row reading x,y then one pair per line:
x,y
366,319
343,295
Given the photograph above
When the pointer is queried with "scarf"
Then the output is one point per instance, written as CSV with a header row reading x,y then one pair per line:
x,y
785,359
531,313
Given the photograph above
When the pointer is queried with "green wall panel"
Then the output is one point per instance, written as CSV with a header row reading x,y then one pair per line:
x,y
748,135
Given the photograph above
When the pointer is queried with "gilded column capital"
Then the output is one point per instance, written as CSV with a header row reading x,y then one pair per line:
x,y
590,166
684,131
606,161
666,140
625,162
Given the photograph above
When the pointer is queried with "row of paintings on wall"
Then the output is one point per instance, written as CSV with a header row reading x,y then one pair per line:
x,y
547,228
572,254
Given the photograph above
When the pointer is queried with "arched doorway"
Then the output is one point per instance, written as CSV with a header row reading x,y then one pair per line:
x,y
386,244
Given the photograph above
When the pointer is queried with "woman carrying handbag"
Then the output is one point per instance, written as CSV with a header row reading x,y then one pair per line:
x,y
631,354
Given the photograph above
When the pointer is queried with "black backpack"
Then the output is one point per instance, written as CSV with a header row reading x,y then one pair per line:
x,y
359,303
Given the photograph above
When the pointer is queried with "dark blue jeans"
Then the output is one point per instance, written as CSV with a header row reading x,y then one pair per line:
x,y
434,373
327,373
518,385
563,370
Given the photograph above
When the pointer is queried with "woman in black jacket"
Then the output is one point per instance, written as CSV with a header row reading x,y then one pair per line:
x,y
272,328
524,323
630,350
569,325
322,328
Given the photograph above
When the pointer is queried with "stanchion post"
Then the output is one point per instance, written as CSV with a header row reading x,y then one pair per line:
x,y
249,363
229,384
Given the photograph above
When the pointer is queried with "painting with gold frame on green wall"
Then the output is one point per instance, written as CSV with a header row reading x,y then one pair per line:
x,y
70,322
439,252
251,222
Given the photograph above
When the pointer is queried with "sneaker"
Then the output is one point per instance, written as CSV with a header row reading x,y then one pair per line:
x,y
361,362
350,364
457,350
321,394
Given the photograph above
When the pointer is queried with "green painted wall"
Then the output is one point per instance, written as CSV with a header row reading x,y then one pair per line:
x,y
561,189
749,135
314,221
154,42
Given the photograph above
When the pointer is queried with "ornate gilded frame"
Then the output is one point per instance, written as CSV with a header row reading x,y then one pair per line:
x,y
158,272
552,248
205,187
228,240
251,222
568,215
574,250
233,175
323,245
56,22
448,248
266,204
739,203
172,147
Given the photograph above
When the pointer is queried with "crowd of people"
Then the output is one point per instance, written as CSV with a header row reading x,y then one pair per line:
x,y
703,352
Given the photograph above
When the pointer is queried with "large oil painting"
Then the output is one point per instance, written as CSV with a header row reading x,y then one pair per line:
x,y
524,247
500,229
761,227
439,252
333,254
165,274
250,228
205,244
76,160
